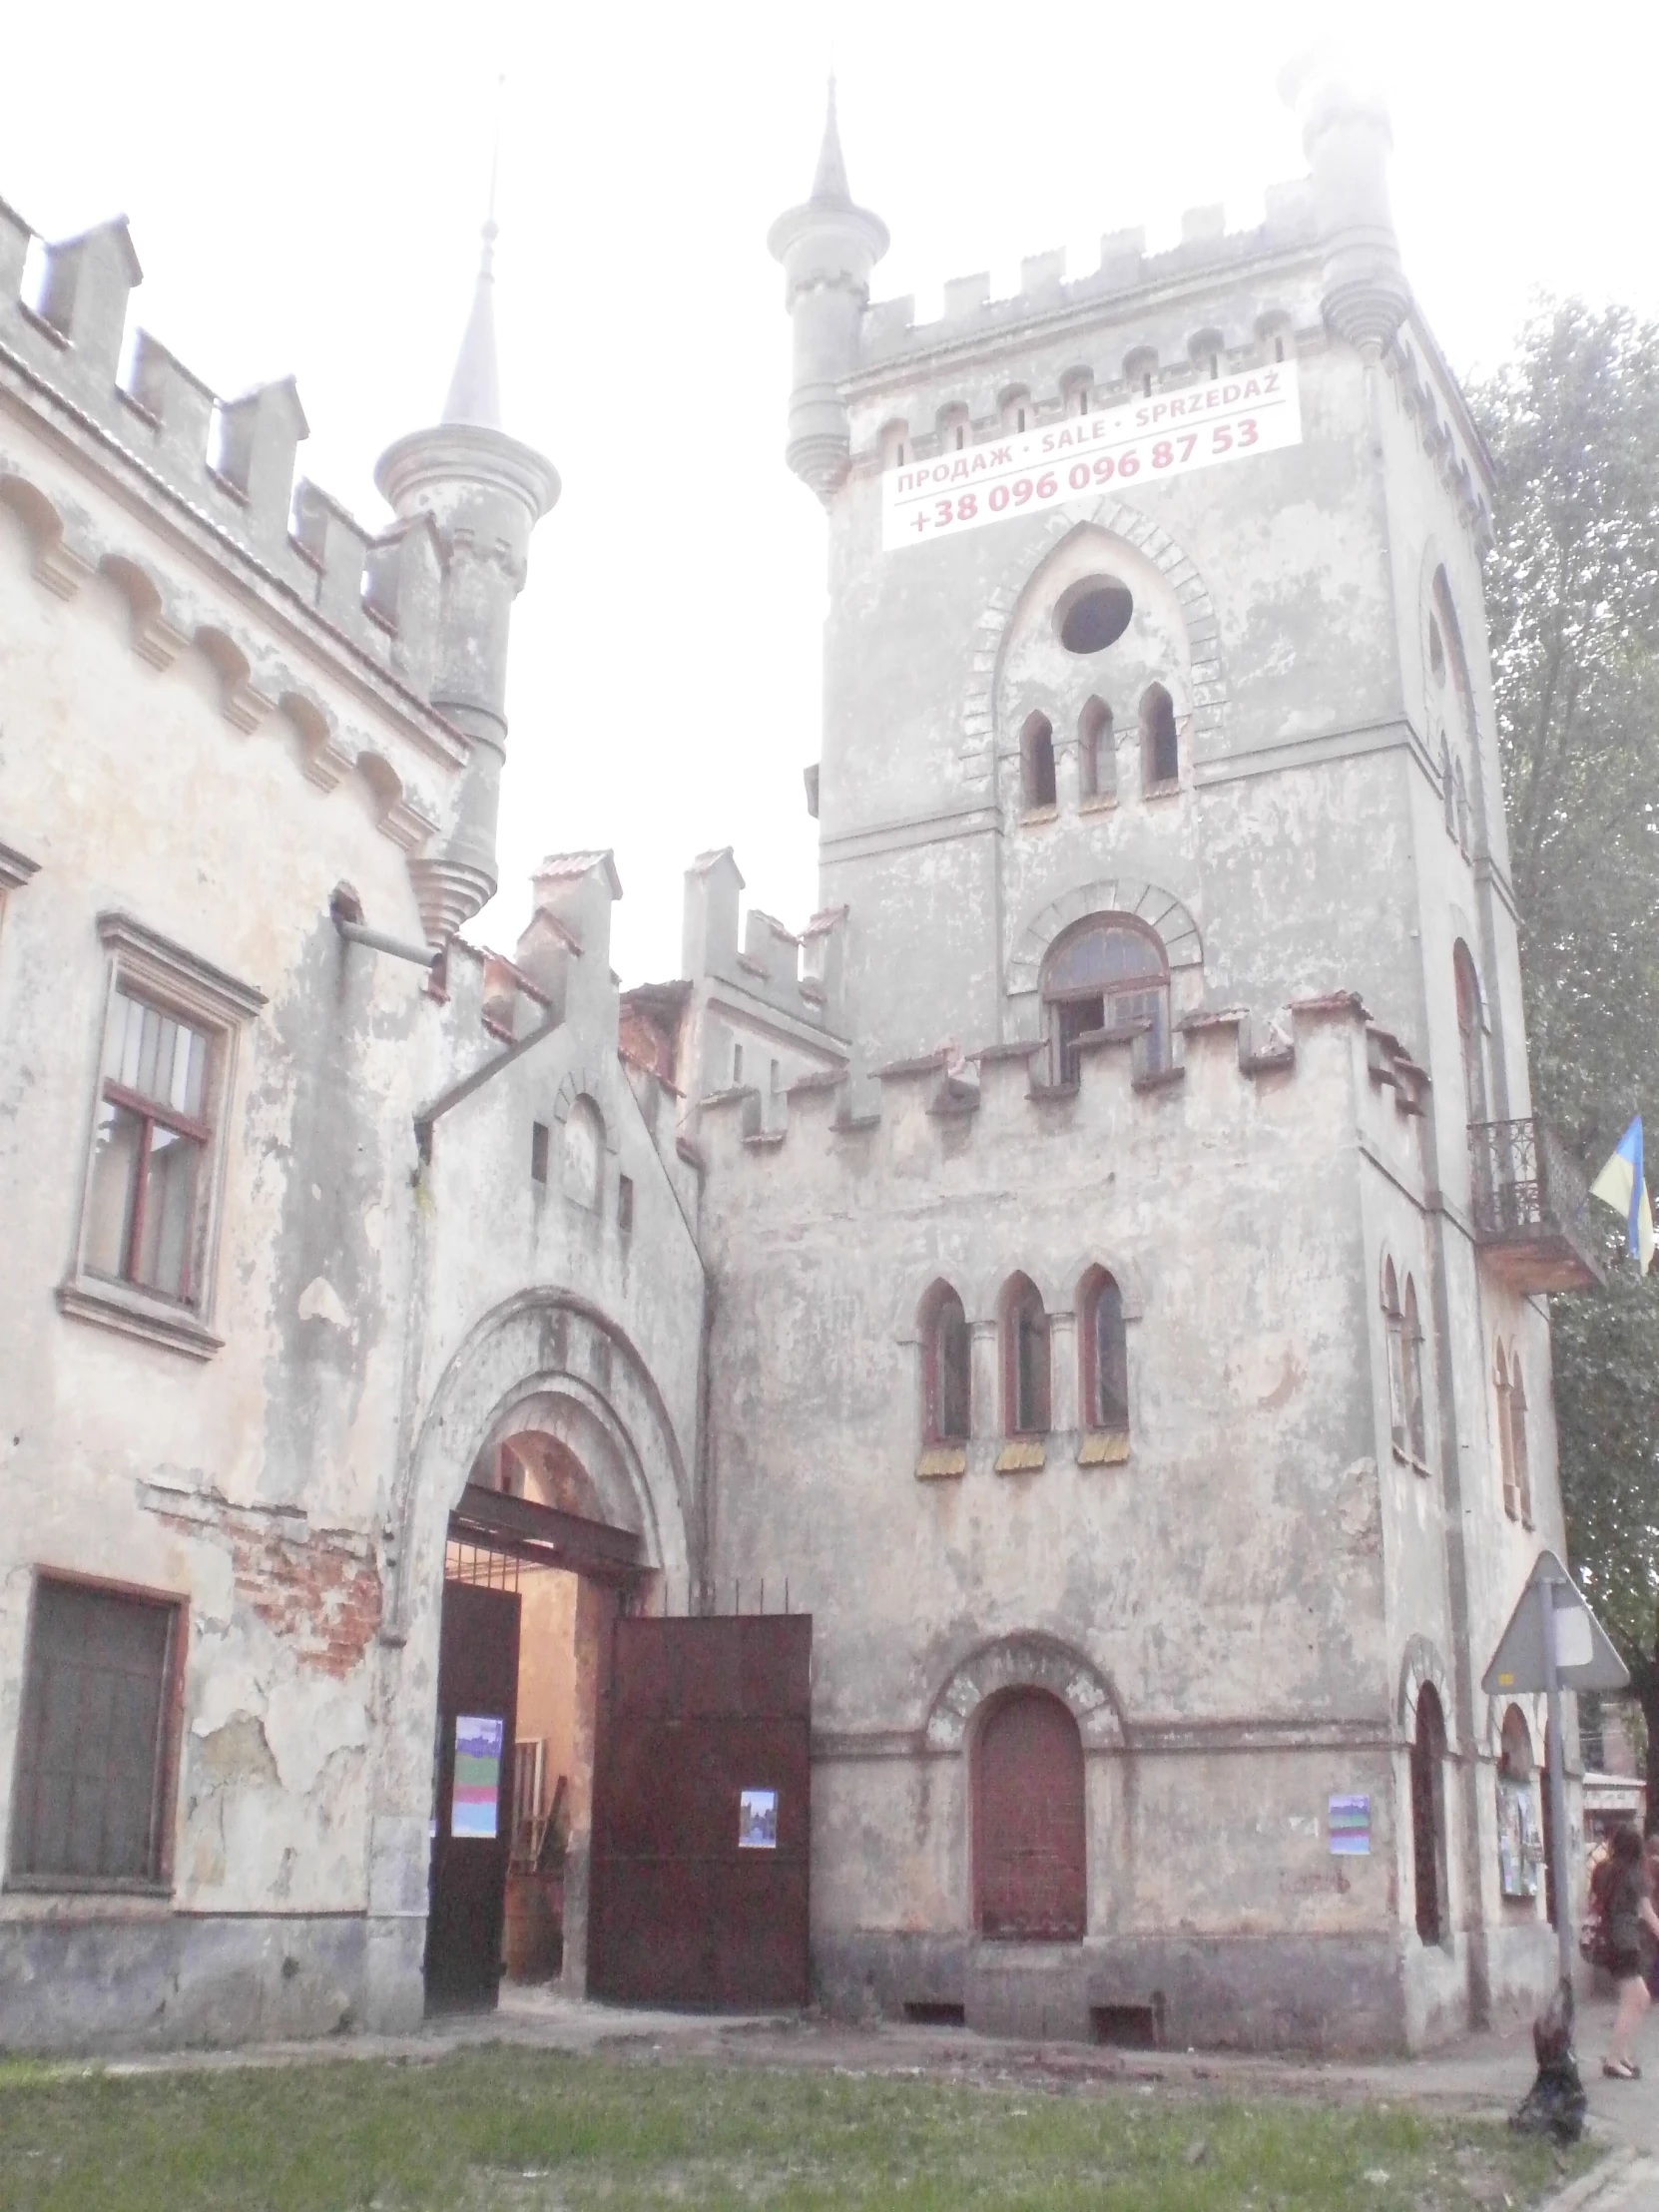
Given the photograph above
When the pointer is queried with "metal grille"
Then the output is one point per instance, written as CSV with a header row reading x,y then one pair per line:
x,y
479,1564
91,1765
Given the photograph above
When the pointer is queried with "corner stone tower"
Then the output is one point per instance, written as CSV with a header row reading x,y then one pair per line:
x,y
485,492
1125,1364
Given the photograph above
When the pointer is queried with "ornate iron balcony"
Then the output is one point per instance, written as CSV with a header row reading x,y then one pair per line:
x,y
1532,1208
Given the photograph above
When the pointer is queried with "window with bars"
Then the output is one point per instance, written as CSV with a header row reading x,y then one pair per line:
x,y
95,1748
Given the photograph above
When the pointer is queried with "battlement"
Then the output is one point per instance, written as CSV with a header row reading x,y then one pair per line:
x,y
951,1090
1127,278
798,975
230,462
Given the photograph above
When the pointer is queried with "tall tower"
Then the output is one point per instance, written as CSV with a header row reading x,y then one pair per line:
x,y
485,492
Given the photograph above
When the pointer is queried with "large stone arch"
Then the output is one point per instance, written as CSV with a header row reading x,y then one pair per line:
x,y
1159,909
1120,520
537,1350
1030,1661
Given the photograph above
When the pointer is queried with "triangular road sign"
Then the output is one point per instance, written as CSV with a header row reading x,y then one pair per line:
x,y
1584,1659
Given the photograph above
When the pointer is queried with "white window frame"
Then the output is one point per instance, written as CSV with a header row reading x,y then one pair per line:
x,y
150,967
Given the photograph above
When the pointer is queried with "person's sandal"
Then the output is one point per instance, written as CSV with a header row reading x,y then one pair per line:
x,y
1621,2069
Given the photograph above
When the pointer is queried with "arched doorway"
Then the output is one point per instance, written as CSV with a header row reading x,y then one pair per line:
x,y
1429,1751
534,1574
1029,1829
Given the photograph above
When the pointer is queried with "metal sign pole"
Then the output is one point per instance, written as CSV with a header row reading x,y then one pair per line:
x,y
1557,1788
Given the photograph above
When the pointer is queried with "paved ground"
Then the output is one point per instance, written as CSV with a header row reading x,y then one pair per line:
x,y
1485,2073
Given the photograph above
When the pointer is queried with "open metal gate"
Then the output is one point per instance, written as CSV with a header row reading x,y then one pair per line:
x,y
701,1814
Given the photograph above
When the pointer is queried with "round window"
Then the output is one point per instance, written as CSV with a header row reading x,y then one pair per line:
x,y
1094,615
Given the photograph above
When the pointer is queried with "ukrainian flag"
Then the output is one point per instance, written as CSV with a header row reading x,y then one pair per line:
x,y
1623,1185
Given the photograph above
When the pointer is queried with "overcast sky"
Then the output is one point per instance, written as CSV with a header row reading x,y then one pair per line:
x,y
305,184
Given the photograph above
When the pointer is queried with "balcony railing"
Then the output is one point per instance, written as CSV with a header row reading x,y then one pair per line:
x,y
1533,1207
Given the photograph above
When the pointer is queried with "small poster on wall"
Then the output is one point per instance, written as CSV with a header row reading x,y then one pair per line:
x,y
474,1806
1519,1838
1349,1822
757,1819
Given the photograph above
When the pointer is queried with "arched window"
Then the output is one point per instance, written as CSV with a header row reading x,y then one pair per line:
x,y
1024,1359
1462,809
1108,974
1505,1449
1517,1440
1515,1756
1036,758
1160,744
1410,1350
1105,1356
1031,1860
1097,766
947,1369
1470,1032
1448,792
1429,1815
584,1151
1394,1323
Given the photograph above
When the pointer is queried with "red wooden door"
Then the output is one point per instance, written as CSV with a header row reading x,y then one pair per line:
x,y
1028,1824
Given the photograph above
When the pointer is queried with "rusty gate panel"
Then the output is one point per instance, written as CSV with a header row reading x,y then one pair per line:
x,y
696,1711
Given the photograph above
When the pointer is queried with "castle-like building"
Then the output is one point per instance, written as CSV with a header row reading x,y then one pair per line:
x,y
1095,1270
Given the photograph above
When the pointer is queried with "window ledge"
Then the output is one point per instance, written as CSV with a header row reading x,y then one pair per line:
x,y
1039,813
1406,1459
1022,1455
1170,788
1103,1447
72,1887
939,1462
1100,803
110,1306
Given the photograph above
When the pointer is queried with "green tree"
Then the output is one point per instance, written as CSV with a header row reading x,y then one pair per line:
x,y
1573,585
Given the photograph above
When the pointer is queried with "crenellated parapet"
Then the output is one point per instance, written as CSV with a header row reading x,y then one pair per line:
x,y
990,1095
229,462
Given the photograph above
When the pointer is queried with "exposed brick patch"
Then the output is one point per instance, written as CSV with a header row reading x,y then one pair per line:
x,y
318,1589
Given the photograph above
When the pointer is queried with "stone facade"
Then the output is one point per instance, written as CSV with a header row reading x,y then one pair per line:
x,y
697,1234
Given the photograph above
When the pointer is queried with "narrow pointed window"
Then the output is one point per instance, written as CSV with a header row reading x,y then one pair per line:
x,y
1097,767
1105,1356
1416,1427
946,1375
1470,1037
1025,1400
1160,741
1462,810
1037,761
1505,1446
1517,1441
1394,1325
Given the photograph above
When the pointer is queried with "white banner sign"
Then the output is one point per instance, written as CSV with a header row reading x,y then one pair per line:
x,y
1225,420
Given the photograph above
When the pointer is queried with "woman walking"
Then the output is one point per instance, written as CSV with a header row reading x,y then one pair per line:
x,y
1626,1909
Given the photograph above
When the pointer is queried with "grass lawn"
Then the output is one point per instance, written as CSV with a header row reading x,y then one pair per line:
x,y
508,2127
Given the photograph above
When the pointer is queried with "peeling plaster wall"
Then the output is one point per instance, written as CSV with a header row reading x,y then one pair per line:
x,y
265,1484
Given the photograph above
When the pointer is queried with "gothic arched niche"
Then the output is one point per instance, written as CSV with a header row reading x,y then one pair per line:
x,y
1050,662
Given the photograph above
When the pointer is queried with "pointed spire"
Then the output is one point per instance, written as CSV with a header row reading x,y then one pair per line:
x,y
830,185
476,387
